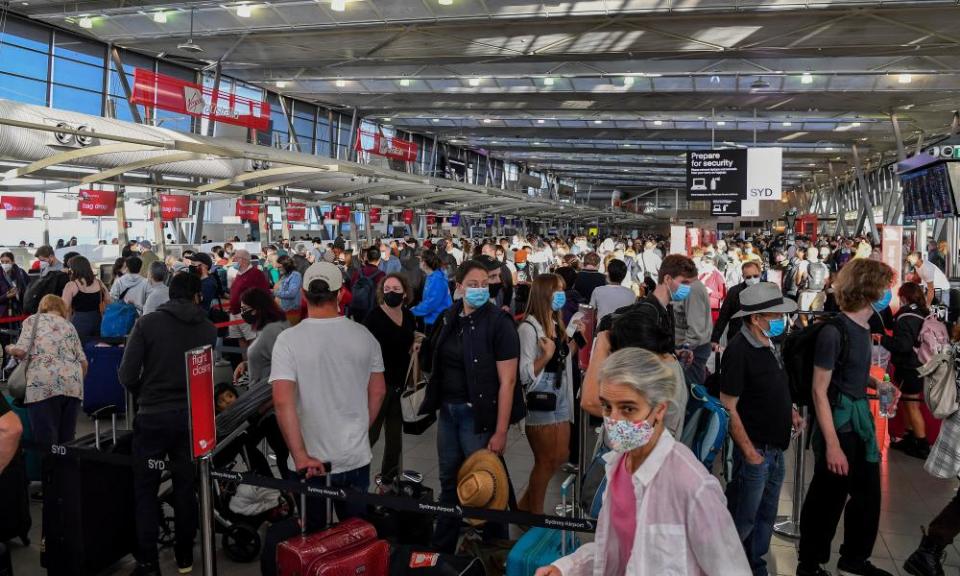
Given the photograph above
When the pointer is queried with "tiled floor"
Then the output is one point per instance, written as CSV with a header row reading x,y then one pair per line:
x,y
911,499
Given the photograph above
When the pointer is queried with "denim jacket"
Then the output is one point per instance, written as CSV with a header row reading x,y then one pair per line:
x,y
483,383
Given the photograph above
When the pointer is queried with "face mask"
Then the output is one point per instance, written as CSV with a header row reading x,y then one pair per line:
x,y
521,265
249,317
681,294
44,265
495,289
477,297
751,281
777,327
625,435
884,301
559,301
393,299
195,270
7,267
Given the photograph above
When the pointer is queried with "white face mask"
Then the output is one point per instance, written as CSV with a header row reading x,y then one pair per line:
x,y
7,267
751,281
44,265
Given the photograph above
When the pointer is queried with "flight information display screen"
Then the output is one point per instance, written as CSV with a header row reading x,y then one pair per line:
x,y
927,193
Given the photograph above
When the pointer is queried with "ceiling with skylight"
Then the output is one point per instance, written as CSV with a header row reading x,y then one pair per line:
x,y
607,92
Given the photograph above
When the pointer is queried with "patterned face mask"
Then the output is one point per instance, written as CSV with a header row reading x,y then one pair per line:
x,y
626,436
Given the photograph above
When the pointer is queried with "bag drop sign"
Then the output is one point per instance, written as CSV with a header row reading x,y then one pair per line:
x,y
203,429
716,174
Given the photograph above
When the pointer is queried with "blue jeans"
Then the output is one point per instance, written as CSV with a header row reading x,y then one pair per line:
x,y
357,480
456,441
753,496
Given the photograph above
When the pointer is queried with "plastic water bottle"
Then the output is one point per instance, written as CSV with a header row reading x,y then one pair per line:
x,y
886,393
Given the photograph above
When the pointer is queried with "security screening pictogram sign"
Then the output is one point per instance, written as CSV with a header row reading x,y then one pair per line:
x,y
734,174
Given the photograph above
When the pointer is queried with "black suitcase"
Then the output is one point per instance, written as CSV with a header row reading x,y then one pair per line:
x,y
15,521
88,514
401,527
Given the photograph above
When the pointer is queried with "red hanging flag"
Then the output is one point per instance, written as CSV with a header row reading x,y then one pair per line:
x,y
431,218
342,213
374,215
97,202
408,216
296,211
18,206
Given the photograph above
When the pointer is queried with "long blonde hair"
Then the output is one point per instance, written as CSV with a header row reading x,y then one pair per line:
x,y
539,304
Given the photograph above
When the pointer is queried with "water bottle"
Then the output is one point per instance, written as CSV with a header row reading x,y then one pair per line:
x,y
886,393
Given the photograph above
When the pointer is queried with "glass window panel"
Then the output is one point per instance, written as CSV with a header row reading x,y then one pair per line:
x,y
306,144
84,101
26,34
23,90
174,121
76,74
79,49
176,71
303,127
123,108
23,62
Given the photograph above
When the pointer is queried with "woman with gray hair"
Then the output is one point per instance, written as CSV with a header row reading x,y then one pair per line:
x,y
680,525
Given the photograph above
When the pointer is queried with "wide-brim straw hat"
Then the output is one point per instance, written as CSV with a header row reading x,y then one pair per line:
x,y
482,482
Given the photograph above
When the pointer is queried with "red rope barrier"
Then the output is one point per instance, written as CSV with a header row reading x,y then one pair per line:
x,y
12,319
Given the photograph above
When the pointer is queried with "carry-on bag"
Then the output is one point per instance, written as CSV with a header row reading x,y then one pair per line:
x,y
542,546
402,527
101,386
412,561
89,520
15,520
32,457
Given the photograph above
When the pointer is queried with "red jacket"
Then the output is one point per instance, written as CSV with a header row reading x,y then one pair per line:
x,y
252,278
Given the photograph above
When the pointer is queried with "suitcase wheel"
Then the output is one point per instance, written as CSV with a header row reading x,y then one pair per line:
x,y
241,543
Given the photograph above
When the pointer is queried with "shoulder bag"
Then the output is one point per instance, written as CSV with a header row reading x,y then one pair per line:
x,y
17,385
411,399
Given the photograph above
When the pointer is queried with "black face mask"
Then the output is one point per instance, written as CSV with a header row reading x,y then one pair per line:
x,y
393,299
249,317
495,289
195,270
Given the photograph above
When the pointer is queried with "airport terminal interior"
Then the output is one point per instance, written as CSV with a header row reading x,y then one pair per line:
x,y
589,159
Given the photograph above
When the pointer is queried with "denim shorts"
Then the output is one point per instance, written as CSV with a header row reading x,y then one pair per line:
x,y
546,383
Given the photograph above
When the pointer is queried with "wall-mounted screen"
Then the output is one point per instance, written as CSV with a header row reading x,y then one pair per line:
x,y
928,193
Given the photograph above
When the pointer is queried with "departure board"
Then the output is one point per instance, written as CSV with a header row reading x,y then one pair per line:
x,y
927,193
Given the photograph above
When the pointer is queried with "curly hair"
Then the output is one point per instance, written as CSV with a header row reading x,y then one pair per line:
x,y
860,283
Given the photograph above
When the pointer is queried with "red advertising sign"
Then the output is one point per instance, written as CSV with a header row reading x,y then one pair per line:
x,y
431,218
341,213
97,202
248,209
176,95
203,428
381,145
17,206
374,215
296,211
408,216
174,206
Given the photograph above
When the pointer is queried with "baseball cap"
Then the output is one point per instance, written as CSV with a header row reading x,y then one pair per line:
x,y
326,272
202,258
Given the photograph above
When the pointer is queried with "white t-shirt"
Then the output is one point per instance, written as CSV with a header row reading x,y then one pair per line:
x,y
607,299
929,272
331,361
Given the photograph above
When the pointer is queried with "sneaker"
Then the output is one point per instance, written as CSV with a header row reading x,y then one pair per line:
x,y
865,568
185,565
151,569
814,570
185,569
919,448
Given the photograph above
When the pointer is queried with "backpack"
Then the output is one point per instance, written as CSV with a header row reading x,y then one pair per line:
x,y
798,353
52,283
706,425
940,384
817,273
118,318
364,294
932,339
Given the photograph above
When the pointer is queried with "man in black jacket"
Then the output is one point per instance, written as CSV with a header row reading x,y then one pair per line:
x,y
154,371
731,305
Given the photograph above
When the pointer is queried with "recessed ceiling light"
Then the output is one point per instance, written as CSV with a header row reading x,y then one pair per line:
x,y
787,124
487,120
536,143
474,82
436,119
628,81
404,82
386,119
281,84
548,81
906,78
855,124
338,5
806,78
493,141
445,2
540,121
341,83
598,121
85,22
244,11
829,149
627,145
158,17
721,123
658,122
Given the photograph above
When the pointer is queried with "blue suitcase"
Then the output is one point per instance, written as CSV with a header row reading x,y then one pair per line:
x,y
101,387
32,456
541,547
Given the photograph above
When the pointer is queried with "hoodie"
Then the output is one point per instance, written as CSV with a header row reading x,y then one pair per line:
x,y
154,367
135,287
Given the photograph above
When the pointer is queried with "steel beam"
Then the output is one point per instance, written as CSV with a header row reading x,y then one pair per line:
x,y
867,208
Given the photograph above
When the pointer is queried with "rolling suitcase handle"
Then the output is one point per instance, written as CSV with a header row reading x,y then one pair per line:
x,y
100,414
303,498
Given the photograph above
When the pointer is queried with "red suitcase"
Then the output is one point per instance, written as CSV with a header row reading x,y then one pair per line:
x,y
371,558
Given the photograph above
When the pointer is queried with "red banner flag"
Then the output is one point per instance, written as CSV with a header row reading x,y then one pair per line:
x,y
408,216
248,209
431,218
173,206
97,202
389,147
342,213
18,206
176,95
296,211
374,215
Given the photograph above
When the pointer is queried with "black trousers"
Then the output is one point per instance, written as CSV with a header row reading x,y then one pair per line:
x,y
163,436
390,421
827,498
946,525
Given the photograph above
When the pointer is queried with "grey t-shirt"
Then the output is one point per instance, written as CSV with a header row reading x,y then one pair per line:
x,y
260,352
852,377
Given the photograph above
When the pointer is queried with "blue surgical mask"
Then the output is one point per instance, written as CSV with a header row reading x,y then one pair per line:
x,y
477,297
777,327
559,301
681,294
884,301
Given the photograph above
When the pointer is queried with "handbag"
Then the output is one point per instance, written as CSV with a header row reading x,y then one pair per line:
x,y
17,384
411,399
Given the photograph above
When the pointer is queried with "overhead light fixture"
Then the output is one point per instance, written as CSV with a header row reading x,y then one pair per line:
x,y
721,123
829,149
436,120
338,5
540,121
906,78
244,11
536,143
548,81
714,79
404,82
386,119
281,84
341,83
445,2
598,121
759,84
85,22
658,122
627,81
189,45
855,124
474,82
806,78
787,124
487,120
627,145
160,17
493,142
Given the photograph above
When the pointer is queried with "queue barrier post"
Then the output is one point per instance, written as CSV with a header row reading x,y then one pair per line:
x,y
207,550
789,526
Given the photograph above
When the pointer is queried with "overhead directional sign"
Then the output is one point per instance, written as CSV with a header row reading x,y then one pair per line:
x,y
725,207
716,174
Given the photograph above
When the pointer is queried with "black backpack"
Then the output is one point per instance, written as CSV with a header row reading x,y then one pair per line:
x,y
799,349
364,294
52,283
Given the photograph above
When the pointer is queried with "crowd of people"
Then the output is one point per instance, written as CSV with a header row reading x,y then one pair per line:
x,y
327,337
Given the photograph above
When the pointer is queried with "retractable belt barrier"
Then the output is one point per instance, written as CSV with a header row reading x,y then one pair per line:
x,y
391,502
14,319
